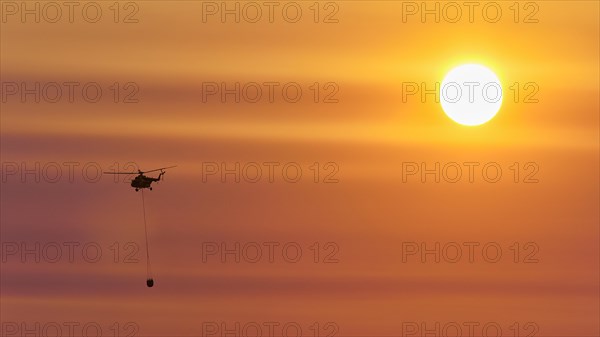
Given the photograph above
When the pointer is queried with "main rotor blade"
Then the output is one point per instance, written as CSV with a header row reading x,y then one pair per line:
x,y
159,169
120,172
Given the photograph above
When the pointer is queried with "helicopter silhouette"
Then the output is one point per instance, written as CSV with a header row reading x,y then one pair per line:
x,y
141,181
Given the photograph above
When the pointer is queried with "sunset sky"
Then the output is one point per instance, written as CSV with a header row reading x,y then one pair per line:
x,y
363,218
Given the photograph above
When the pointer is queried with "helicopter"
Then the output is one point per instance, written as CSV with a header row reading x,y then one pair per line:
x,y
141,181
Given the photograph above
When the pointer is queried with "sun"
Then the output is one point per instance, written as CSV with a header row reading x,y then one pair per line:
x,y
471,94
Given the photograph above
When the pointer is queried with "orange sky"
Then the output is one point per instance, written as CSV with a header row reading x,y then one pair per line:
x,y
369,133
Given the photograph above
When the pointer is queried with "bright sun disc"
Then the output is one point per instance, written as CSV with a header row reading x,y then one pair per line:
x,y
471,94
